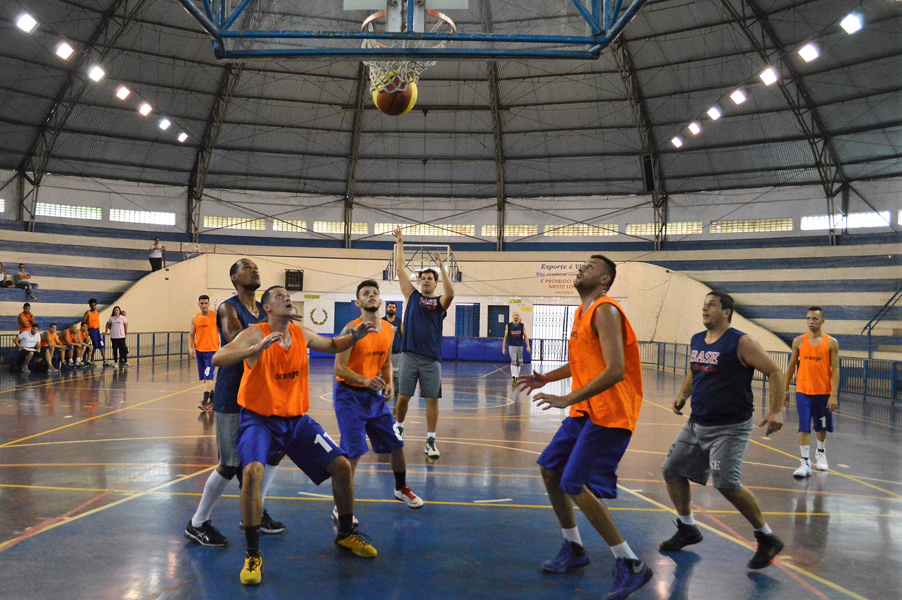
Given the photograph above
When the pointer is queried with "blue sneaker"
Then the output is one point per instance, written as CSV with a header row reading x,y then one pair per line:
x,y
571,556
629,575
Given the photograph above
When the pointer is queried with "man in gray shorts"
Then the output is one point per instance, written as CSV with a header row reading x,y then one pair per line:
x,y
421,348
713,441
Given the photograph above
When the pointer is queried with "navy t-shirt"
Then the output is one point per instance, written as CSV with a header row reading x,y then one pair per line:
x,y
515,334
396,341
423,318
228,379
721,384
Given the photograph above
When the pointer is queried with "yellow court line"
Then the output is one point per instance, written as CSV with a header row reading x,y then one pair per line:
x,y
112,412
131,439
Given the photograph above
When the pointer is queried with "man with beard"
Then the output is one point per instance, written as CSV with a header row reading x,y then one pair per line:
x,y
391,310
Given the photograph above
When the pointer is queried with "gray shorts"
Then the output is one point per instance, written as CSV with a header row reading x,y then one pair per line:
x,y
717,451
516,353
396,365
227,438
416,367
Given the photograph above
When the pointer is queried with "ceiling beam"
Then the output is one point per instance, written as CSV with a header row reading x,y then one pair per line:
x,y
360,94
496,108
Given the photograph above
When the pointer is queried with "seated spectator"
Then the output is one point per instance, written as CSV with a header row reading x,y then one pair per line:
x,y
29,343
26,319
23,280
87,346
49,345
71,340
156,254
5,280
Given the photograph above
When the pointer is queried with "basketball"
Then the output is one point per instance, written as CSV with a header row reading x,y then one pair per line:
x,y
396,103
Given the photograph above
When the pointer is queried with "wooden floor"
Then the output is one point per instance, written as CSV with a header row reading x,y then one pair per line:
x,y
100,471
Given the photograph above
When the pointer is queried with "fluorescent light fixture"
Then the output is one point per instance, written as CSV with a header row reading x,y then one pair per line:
x,y
851,23
714,113
165,123
183,136
738,97
145,108
676,142
809,52
64,51
769,76
123,92
96,73
26,23
695,128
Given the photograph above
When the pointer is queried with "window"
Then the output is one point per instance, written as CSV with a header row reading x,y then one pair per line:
x,y
678,228
289,225
438,230
751,225
212,222
850,221
581,230
339,227
68,211
510,230
142,216
2,205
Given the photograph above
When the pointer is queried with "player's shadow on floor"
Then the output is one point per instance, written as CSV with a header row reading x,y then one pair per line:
x,y
765,585
682,575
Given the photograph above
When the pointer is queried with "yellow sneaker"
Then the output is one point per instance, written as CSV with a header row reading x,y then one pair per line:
x,y
252,573
357,543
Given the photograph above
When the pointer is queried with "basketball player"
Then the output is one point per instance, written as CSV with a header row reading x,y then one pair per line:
x,y
233,316
714,439
580,463
514,339
203,342
421,348
70,339
49,345
92,318
391,310
362,383
817,384
274,397
87,346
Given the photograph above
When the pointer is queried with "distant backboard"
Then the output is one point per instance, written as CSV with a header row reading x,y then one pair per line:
x,y
485,29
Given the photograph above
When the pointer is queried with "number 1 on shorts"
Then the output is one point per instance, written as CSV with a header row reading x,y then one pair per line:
x,y
322,441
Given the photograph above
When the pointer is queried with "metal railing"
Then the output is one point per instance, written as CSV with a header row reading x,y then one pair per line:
x,y
153,345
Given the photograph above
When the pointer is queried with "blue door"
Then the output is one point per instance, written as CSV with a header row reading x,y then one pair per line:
x,y
467,323
344,313
498,316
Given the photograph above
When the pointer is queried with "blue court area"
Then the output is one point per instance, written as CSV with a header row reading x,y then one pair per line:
x,y
100,472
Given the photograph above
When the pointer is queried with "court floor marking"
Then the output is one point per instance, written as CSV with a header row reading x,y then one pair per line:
x,y
49,382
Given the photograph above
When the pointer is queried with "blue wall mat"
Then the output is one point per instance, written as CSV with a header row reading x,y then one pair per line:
x,y
449,348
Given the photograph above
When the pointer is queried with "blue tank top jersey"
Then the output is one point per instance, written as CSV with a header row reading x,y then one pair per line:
x,y
721,384
423,318
515,334
228,379
396,341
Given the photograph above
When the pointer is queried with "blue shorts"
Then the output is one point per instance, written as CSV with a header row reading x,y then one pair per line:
x,y
814,407
585,454
205,367
96,338
301,438
362,412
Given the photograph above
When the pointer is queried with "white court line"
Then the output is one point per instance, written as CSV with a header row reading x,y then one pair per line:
x,y
495,500
315,495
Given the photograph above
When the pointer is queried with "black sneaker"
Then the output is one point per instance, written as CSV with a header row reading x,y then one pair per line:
x,y
206,535
686,535
769,546
270,525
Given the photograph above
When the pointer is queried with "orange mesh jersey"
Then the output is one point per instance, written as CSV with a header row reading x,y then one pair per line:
x,y
93,319
617,407
206,334
51,337
278,383
84,336
815,376
370,353
29,321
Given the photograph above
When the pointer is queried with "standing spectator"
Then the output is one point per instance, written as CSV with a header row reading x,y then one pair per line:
x,y
23,280
92,319
5,281
156,254
117,327
49,345
28,342
26,319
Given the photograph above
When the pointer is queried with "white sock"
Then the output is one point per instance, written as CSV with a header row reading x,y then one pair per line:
x,y
805,451
213,489
515,370
572,535
765,529
686,519
821,446
431,435
623,551
78,362
269,473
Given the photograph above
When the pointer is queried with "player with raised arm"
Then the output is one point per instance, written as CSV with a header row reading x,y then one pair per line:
x,y
203,342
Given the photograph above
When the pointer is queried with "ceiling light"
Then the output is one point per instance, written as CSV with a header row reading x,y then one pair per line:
x,y
695,128
165,123
851,23
714,113
123,92
64,51
183,136
26,23
676,142
145,108
738,97
769,76
96,73
809,52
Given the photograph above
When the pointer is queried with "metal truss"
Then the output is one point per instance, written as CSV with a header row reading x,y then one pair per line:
x,y
360,94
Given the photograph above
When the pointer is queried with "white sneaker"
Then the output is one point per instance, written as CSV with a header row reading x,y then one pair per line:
x,y
804,470
431,451
335,517
399,431
408,497
821,464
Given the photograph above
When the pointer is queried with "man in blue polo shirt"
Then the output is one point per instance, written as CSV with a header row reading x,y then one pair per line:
x,y
421,348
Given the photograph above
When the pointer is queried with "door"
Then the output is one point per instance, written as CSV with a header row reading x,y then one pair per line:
x,y
344,313
467,322
498,318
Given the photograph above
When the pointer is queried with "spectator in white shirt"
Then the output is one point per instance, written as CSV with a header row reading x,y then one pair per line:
x,y
117,328
29,343
5,280
23,280
156,254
